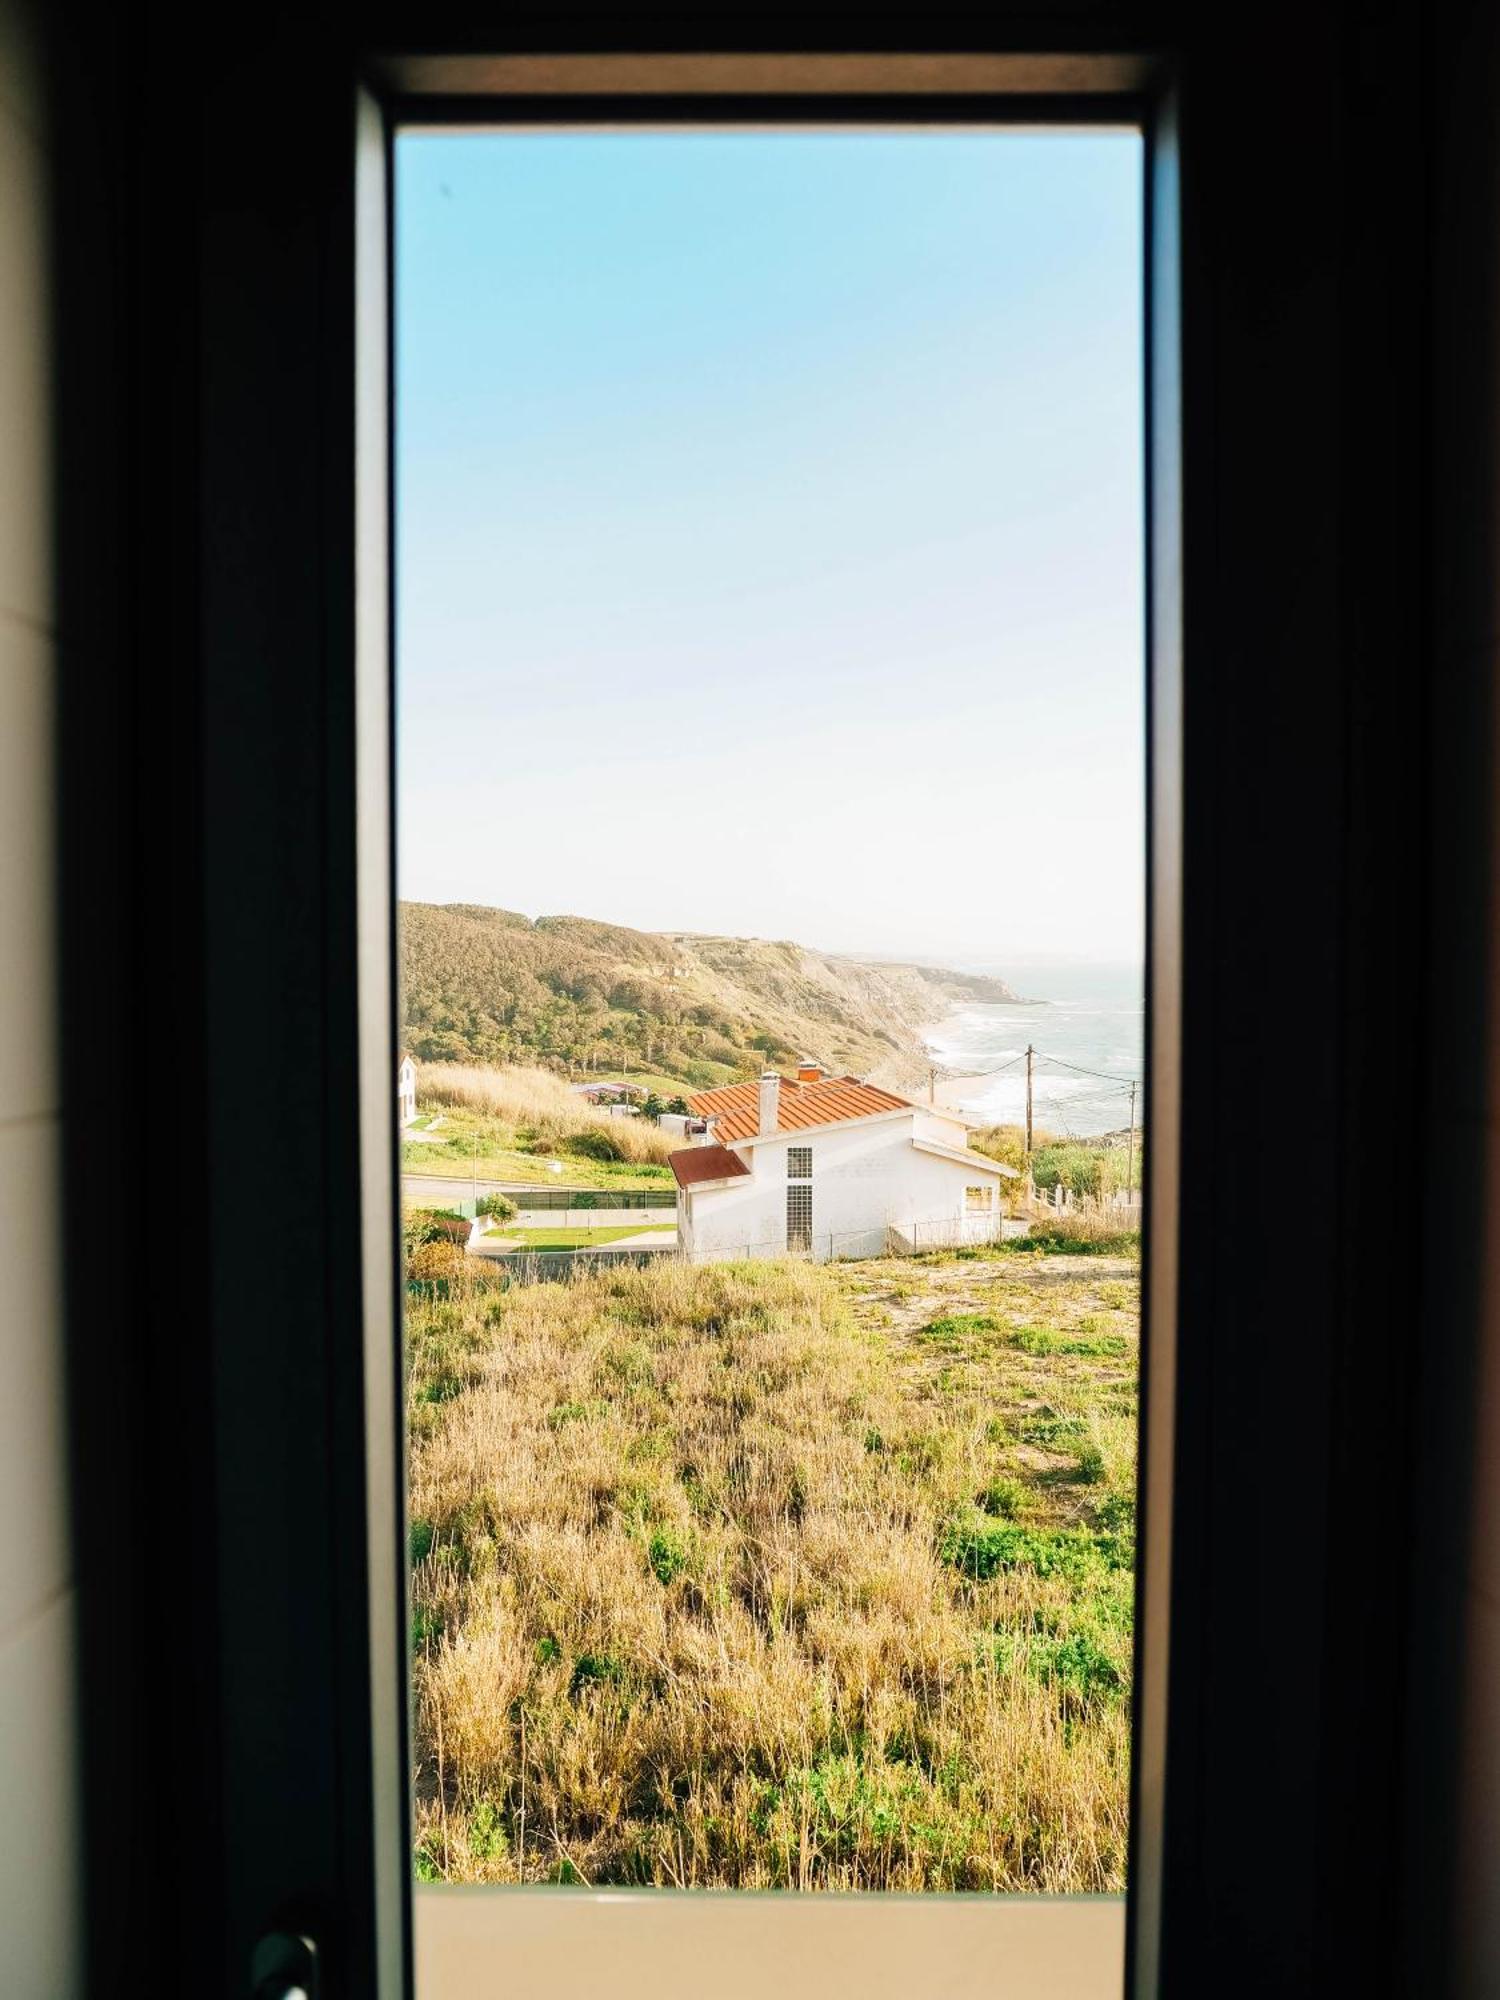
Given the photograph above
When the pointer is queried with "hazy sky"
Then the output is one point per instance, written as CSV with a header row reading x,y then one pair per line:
x,y
770,534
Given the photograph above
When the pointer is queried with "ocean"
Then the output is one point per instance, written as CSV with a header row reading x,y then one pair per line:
x,y
1086,1023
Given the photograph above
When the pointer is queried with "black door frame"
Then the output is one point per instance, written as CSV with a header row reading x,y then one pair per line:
x,y
207,287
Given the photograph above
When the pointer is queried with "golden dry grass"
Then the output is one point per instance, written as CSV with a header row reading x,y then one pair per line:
x,y
536,1102
767,1575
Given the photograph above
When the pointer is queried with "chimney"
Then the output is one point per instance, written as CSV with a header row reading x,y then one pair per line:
x,y
809,1072
770,1101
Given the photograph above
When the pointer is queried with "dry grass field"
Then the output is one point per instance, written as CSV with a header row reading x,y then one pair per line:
x,y
767,1575
540,1109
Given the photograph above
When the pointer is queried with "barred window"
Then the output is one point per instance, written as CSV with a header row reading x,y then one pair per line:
x,y
799,1163
799,1218
978,1197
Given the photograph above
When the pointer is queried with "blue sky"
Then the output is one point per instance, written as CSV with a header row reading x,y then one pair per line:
x,y
769,534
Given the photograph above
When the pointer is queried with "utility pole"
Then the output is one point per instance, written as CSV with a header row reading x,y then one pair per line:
x,y
931,1086
1030,1052
1130,1155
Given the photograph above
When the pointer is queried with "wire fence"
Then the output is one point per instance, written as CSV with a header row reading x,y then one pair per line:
x,y
1106,1217
582,1200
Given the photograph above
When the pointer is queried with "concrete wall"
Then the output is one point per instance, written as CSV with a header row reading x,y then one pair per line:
x,y
865,1178
39,1867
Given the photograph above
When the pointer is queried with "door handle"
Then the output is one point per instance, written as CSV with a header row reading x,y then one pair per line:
x,y
284,1967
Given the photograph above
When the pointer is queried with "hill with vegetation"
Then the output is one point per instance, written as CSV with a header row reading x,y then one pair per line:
x,y
493,986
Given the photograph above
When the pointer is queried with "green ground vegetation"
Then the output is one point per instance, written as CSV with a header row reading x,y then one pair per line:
x,y
1089,1167
510,1149
773,1575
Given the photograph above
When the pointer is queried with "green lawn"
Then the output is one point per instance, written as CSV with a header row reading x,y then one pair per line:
x,y
570,1239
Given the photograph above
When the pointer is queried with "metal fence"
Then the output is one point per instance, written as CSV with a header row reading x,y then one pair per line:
x,y
909,1239
837,1246
551,1198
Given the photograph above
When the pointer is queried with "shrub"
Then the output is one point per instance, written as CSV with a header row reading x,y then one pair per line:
x,y
1090,1170
487,1831
572,1413
1116,1513
667,1556
436,1263
956,1325
1080,1668
431,1225
1089,1468
981,1548
1005,1497
599,1145
592,1669
1076,1235
499,1207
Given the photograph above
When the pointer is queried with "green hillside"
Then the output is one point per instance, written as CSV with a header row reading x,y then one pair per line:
x,y
493,986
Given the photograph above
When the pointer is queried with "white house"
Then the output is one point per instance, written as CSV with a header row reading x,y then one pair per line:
x,y
406,1088
828,1166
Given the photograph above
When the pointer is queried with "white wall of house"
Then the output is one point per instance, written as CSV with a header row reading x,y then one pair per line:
x,y
866,1178
944,1128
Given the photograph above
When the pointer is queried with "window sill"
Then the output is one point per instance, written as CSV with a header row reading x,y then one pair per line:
x,y
482,1944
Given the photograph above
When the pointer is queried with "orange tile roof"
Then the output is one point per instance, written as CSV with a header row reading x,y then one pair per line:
x,y
736,1107
705,1163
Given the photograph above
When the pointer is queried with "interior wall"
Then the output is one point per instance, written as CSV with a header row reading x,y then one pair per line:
x,y
39,1826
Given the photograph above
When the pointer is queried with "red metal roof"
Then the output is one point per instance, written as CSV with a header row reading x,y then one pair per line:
x,y
705,1163
736,1107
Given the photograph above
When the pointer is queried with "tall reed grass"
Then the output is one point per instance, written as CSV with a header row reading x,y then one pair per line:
x,y
540,1105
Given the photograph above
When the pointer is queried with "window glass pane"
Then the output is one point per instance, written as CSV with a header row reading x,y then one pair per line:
x,y
771,753
799,1218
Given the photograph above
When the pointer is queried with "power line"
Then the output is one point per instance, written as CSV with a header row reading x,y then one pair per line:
x,y
1125,1082
1104,1075
999,1069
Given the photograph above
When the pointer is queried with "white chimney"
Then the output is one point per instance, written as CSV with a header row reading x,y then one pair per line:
x,y
770,1100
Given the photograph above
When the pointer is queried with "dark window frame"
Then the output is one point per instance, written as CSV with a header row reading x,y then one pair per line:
x,y
1136,91
210,814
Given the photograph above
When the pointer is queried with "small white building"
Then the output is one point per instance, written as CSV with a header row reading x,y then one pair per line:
x,y
406,1088
827,1166
682,1125
607,1093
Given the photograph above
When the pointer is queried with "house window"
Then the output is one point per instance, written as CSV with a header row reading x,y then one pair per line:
x,y
497,1797
799,1217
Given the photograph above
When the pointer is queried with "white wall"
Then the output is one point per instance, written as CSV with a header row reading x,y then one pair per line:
x,y
865,1178
40,1919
